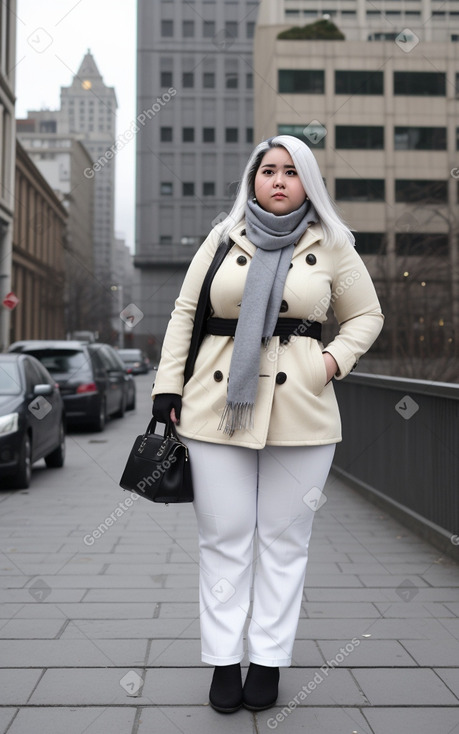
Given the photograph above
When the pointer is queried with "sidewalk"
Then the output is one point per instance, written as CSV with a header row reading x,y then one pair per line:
x,y
103,635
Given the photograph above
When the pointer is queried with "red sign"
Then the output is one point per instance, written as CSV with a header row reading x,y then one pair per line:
x,y
10,301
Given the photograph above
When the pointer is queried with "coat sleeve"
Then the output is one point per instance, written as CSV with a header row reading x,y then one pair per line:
x,y
176,344
357,310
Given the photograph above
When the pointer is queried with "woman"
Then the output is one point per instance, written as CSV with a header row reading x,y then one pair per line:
x,y
259,413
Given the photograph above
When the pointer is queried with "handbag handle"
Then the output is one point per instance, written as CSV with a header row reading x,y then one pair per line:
x,y
169,429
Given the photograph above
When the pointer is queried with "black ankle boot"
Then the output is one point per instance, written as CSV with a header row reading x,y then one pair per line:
x,y
261,687
225,693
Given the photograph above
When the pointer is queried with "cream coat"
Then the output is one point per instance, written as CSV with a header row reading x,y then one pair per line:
x,y
294,405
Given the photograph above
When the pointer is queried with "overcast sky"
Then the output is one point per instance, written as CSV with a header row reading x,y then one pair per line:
x,y
63,31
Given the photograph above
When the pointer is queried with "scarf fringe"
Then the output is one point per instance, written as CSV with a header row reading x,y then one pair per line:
x,y
237,416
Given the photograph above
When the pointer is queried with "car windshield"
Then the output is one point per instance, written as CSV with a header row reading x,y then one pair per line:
x,y
62,361
10,382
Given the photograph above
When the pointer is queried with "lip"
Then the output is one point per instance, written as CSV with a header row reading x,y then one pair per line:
x,y
279,196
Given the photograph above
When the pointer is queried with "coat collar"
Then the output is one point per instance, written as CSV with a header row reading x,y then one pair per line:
x,y
310,237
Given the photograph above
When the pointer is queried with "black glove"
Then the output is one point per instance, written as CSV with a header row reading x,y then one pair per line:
x,y
163,404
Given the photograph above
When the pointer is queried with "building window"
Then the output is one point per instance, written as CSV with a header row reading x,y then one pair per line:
x,y
370,137
167,28
370,243
231,134
250,30
315,139
427,192
188,134
188,29
167,188
165,239
208,188
231,80
359,82
166,79
166,135
188,189
416,243
420,138
188,79
208,135
208,80
230,29
208,29
301,81
360,189
249,135
420,83
249,81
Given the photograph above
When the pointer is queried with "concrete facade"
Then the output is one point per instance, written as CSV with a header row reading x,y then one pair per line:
x,y
389,156
38,255
7,153
194,104
360,20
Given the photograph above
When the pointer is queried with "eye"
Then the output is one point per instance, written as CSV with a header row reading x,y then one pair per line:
x,y
292,172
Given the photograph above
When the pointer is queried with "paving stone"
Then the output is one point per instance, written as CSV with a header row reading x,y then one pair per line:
x,y
30,628
89,687
340,610
413,687
368,653
329,687
17,685
194,720
412,608
413,720
6,715
71,653
140,628
59,719
312,720
433,652
142,595
451,677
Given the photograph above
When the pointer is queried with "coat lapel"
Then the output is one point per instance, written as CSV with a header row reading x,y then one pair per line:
x,y
310,237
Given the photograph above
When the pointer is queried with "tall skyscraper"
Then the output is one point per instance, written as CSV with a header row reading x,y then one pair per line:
x,y
194,107
88,110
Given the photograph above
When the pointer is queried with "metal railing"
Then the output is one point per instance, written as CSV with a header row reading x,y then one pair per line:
x,y
401,445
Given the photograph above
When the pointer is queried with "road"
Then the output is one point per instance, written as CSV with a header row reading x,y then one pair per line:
x,y
99,629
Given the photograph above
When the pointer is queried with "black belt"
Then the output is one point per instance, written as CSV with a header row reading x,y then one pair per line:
x,y
283,328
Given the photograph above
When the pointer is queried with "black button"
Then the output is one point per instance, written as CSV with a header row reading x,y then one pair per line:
x,y
218,376
242,232
281,377
353,368
311,259
284,307
241,260
290,266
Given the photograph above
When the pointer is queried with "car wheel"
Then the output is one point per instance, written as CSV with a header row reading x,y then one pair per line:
x,y
55,460
99,423
23,475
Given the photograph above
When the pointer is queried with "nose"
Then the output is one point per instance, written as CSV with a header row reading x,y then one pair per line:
x,y
278,179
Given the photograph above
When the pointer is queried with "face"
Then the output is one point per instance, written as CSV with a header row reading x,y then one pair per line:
x,y
278,188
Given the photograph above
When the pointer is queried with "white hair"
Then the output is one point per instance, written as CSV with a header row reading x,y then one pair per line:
x,y
335,230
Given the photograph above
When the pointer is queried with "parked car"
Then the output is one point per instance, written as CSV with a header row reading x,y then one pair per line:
x,y
32,424
92,379
135,360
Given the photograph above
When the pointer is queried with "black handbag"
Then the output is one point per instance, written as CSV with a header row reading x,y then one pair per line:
x,y
158,467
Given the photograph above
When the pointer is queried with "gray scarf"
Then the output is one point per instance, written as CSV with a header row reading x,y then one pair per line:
x,y
275,237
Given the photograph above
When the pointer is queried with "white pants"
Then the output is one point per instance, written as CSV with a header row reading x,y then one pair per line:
x,y
276,492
